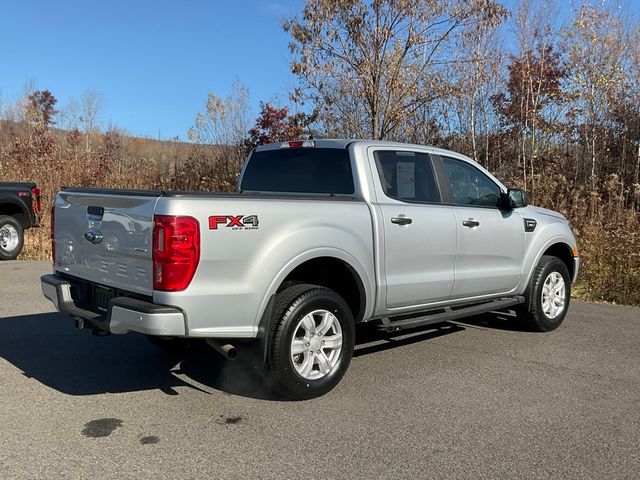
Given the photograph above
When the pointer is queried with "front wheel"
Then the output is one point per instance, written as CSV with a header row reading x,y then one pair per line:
x,y
311,341
11,238
549,295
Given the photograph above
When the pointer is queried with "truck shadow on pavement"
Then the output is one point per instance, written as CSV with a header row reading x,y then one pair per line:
x,y
47,348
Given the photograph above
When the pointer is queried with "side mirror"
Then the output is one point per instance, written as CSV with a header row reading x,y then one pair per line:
x,y
516,198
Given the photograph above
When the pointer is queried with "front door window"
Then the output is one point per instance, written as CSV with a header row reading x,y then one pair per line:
x,y
469,185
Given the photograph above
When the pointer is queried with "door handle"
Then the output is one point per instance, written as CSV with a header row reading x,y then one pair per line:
x,y
471,223
401,220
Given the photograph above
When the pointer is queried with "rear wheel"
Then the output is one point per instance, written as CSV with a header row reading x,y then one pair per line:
x,y
549,295
11,238
311,341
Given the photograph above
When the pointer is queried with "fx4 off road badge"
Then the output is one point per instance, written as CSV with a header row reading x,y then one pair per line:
x,y
234,222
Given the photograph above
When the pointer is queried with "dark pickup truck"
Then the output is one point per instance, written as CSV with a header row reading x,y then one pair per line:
x,y
20,209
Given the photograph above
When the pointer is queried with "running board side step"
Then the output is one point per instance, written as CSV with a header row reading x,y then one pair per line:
x,y
446,314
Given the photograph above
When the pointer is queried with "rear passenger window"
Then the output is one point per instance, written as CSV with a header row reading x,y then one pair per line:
x,y
407,176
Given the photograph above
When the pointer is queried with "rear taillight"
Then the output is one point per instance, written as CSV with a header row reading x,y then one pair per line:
x,y
35,200
53,234
176,251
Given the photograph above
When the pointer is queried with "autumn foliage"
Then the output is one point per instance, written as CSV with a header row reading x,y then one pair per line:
x,y
275,125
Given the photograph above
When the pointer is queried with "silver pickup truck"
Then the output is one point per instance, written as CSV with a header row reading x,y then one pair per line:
x,y
321,235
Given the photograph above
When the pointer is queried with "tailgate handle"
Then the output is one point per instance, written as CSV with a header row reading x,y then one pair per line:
x,y
93,236
95,213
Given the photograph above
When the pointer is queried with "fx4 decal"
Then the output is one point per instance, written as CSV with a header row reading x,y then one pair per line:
x,y
235,222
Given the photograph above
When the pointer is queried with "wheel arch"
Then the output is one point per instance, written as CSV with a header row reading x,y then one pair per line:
x,y
335,274
558,247
562,251
15,210
316,267
305,268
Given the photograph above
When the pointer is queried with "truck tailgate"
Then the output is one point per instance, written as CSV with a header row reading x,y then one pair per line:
x,y
106,238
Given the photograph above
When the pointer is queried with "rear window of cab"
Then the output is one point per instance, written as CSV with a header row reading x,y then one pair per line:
x,y
299,170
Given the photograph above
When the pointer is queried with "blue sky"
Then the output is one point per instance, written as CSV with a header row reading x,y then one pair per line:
x,y
153,61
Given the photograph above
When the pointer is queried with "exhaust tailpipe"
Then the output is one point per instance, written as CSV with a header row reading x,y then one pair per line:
x,y
227,350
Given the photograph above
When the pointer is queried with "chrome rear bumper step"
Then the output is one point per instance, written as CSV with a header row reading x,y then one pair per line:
x,y
123,314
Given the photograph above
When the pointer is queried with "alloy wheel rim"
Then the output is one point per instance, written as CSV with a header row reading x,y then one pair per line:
x,y
9,238
553,295
316,345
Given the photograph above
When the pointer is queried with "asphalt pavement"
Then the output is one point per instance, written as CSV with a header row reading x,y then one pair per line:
x,y
471,400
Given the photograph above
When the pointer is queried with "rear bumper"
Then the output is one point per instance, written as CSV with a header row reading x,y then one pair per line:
x,y
123,315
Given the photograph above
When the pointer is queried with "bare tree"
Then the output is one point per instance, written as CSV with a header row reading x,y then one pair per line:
x,y
475,77
534,84
224,121
595,53
71,114
219,133
84,115
91,106
371,65
634,94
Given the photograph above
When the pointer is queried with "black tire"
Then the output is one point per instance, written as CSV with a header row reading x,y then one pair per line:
x,y
290,307
172,345
11,227
532,312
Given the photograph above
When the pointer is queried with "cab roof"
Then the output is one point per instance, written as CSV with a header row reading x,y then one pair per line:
x,y
345,142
